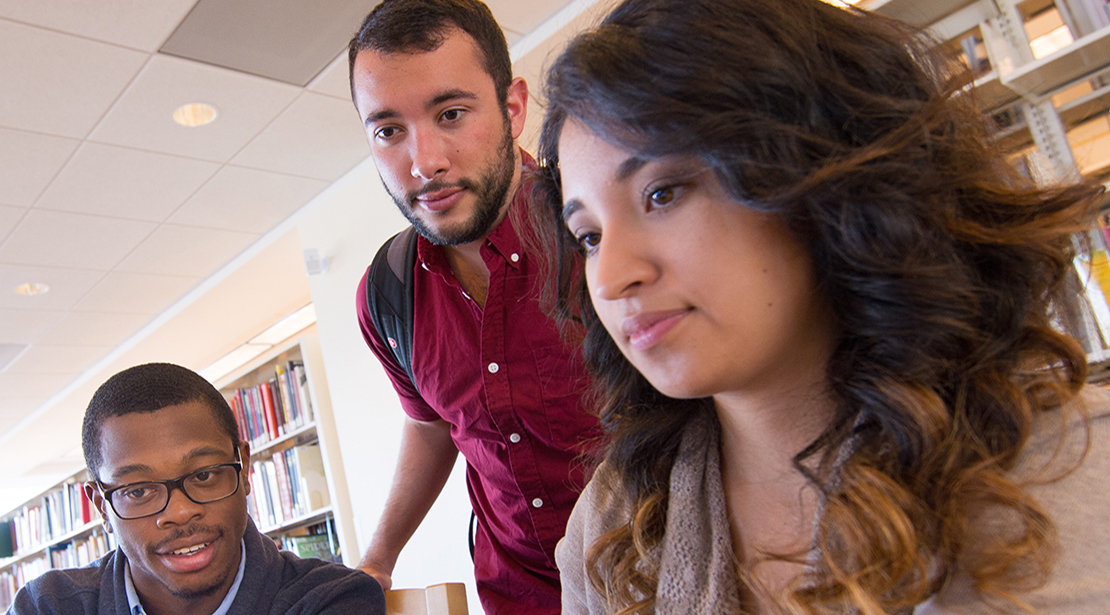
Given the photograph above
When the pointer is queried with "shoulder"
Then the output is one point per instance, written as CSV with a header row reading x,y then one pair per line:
x,y
601,508
62,592
1063,467
313,586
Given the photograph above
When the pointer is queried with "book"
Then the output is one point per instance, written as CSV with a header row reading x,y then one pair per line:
x,y
285,495
312,479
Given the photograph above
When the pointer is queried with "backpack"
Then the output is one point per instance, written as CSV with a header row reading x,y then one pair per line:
x,y
389,295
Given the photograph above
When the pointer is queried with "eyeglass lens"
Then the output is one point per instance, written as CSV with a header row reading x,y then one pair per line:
x,y
206,485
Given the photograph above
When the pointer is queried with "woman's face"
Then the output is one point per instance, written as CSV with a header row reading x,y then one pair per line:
x,y
703,295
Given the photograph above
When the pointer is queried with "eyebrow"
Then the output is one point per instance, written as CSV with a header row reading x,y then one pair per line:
x,y
624,171
437,100
203,451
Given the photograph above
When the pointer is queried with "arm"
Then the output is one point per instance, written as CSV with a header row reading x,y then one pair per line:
x,y
427,456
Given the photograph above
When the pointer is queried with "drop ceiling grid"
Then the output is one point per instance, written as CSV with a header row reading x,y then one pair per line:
x,y
89,96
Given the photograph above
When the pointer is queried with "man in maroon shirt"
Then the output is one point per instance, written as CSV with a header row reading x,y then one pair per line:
x,y
432,82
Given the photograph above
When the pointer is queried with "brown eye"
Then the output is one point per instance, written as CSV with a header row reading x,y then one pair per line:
x,y
661,197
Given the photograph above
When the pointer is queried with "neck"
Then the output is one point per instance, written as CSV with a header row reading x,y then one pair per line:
x,y
466,259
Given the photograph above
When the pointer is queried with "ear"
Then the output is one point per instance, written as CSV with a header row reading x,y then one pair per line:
x,y
516,105
245,473
93,493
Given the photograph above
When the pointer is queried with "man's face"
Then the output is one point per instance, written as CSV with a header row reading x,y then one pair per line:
x,y
188,551
443,144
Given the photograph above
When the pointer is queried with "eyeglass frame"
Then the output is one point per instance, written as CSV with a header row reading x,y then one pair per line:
x,y
175,483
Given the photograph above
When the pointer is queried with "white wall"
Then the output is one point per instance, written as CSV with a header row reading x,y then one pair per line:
x,y
347,229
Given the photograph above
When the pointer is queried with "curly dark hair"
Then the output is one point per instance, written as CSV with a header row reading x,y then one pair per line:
x,y
942,264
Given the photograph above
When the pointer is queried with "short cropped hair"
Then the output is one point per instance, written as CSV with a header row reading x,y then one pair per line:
x,y
148,388
420,26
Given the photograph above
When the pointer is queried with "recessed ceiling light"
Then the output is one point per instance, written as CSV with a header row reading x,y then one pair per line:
x,y
31,289
194,114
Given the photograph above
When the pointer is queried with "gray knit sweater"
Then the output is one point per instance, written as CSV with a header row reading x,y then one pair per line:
x,y
273,583
697,569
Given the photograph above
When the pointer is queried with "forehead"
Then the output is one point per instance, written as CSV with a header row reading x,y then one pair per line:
x,y
160,438
383,80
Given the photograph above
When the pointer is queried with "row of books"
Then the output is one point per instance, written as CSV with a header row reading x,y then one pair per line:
x,y
54,515
288,485
318,540
72,554
270,410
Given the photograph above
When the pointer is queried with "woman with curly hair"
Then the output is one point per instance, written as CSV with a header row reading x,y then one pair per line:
x,y
819,308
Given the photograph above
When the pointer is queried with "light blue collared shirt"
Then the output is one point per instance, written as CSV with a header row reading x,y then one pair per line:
x,y
137,607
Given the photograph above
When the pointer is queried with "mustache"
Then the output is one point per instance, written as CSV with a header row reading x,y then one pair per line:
x,y
186,532
436,186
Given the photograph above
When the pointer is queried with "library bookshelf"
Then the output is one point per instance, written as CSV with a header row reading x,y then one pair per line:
x,y
56,529
298,491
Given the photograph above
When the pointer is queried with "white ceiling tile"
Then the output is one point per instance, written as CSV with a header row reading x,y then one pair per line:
x,y
524,16
135,293
43,359
247,200
125,183
26,326
57,83
59,239
317,136
186,251
334,80
67,286
12,410
9,218
143,117
31,386
95,328
139,24
28,161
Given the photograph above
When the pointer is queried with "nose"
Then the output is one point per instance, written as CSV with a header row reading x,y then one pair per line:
x,y
622,264
429,156
180,510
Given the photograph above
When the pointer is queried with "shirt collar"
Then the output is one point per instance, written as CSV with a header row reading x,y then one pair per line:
x,y
136,608
503,238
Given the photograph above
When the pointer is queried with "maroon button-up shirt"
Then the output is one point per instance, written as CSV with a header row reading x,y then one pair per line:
x,y
512,391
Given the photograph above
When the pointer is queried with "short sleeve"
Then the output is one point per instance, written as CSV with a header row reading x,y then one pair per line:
x,y
411,401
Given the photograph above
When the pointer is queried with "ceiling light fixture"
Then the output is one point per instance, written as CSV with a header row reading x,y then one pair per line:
x,y
262,342
194,114
287,326
31,289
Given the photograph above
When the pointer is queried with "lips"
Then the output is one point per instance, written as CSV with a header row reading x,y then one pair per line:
x,y
188,554
440,200
646,329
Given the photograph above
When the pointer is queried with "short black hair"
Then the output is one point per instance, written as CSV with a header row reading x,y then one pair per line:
x,y
148,388
419,26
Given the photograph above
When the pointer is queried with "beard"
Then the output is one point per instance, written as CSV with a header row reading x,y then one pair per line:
x,y
490,189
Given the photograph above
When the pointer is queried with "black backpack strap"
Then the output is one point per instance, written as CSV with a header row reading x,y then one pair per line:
x,y
389,295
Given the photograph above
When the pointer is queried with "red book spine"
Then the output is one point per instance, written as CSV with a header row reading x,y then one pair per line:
x,y
272,424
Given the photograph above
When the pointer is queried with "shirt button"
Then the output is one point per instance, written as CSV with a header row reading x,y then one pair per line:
x,y
425,266
536,503
514,438
493,367
465,295
514,257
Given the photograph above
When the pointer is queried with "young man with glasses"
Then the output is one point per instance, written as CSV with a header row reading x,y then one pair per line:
x,y
168,475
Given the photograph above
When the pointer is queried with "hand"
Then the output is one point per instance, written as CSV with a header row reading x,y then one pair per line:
x,y
381,576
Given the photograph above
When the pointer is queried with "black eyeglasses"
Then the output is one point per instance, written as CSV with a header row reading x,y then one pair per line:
x,y
208,484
